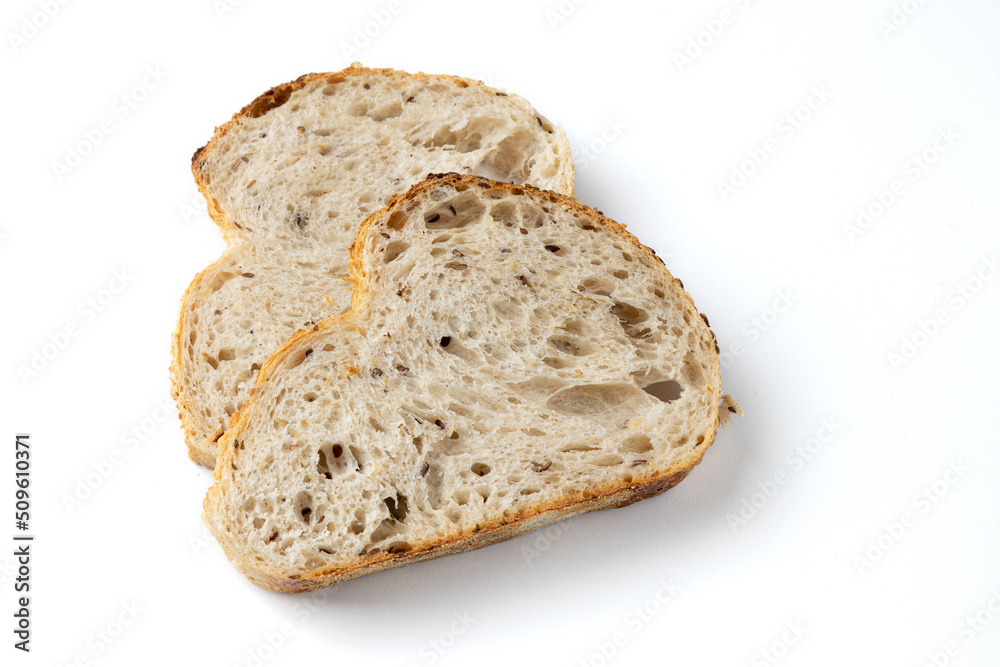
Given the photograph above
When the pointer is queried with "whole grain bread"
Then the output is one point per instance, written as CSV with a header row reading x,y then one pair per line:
x,y
511,358
289,180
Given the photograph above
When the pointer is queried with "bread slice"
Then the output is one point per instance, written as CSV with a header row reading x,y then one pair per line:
x,y
289,181
511,358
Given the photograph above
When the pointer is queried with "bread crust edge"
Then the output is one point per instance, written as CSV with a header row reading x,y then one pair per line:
x,y
606,497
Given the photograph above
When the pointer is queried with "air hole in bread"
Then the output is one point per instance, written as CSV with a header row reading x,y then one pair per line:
x,y
455,348
386,529
396,220
397,507
596,285
507,162
480,469
304,505
227,354
591,399
507,310
219,280
533,218
692,371
358,109
577,447
323,466
606,460
398,547
570,345
637,444
631,317
392,110
360,458
506,213
666,391
358,525
394,250
455,213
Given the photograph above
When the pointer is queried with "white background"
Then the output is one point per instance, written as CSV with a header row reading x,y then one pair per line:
x,y
844,549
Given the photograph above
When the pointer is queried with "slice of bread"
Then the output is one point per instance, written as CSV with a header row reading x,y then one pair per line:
x,y
511,358
290,179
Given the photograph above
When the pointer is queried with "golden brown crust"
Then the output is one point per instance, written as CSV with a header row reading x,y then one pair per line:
x,y
200,446
608,496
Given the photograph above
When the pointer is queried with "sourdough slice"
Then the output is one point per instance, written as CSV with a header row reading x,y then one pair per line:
x,y
511,358
289,181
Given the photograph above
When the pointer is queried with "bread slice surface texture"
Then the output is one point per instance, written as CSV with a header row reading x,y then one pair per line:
x,y
289,181
511,358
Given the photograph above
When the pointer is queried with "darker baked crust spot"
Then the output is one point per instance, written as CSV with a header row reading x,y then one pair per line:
x,y
197,155
275,97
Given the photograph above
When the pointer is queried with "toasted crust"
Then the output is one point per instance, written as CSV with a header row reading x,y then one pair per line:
x,y
200,448
537,516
